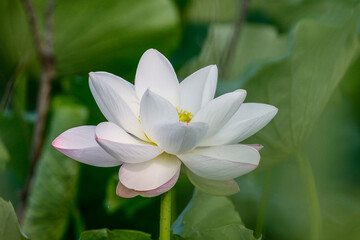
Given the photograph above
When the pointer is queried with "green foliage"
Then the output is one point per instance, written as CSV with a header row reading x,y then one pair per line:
x,y
9,227
318,55
286,13
106,234
52,197
91,35
211,218
306,77
207,11
4,156
258,43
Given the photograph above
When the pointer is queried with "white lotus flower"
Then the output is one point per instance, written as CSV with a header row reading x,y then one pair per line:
x,y
159,124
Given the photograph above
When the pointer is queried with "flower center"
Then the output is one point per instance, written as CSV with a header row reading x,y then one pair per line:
x,y
184,116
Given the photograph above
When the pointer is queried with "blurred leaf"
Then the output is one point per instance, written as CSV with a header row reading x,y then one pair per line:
x,y
91,35
129,206
282,198
4,156
116,33
208,217
351,85
17,144
258,43
106,234
302,82
54,186
286,13
209,11
9,226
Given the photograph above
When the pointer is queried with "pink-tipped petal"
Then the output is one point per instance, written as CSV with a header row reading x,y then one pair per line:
x,y
149,175
124,192
79,143
258,147
163,188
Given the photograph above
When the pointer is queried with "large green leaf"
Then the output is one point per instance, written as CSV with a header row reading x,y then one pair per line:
x,y
4,156
286,13
302,82
9,226
207,11
52,195
211,218
258,43
299,81
90,35
106,234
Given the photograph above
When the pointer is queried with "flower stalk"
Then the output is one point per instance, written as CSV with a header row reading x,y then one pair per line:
x,y
165,216
314,207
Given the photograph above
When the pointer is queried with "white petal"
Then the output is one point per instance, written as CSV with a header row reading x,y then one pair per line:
x,y
163,188
213,187
123,146
153,110
149,175
198,89
219,110
155,72
117,100
79,143
221,162
258,147
125,192
249,119
179,137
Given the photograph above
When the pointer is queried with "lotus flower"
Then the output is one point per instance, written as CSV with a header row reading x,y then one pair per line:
x,y
158,125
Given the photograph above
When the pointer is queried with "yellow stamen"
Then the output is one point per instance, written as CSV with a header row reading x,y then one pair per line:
x,y
184,116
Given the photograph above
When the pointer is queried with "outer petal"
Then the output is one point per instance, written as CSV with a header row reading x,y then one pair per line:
x,y
249,119
218,111
79,144
125,192
155,72
123,146
213,187
198,89
179,137
149,175
153,110
117,100
258,147
221,162
163,188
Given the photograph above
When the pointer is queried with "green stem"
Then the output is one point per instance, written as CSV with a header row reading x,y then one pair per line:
x,y
165,216
314,207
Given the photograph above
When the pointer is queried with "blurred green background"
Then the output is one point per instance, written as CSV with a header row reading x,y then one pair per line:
x,y
301,56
